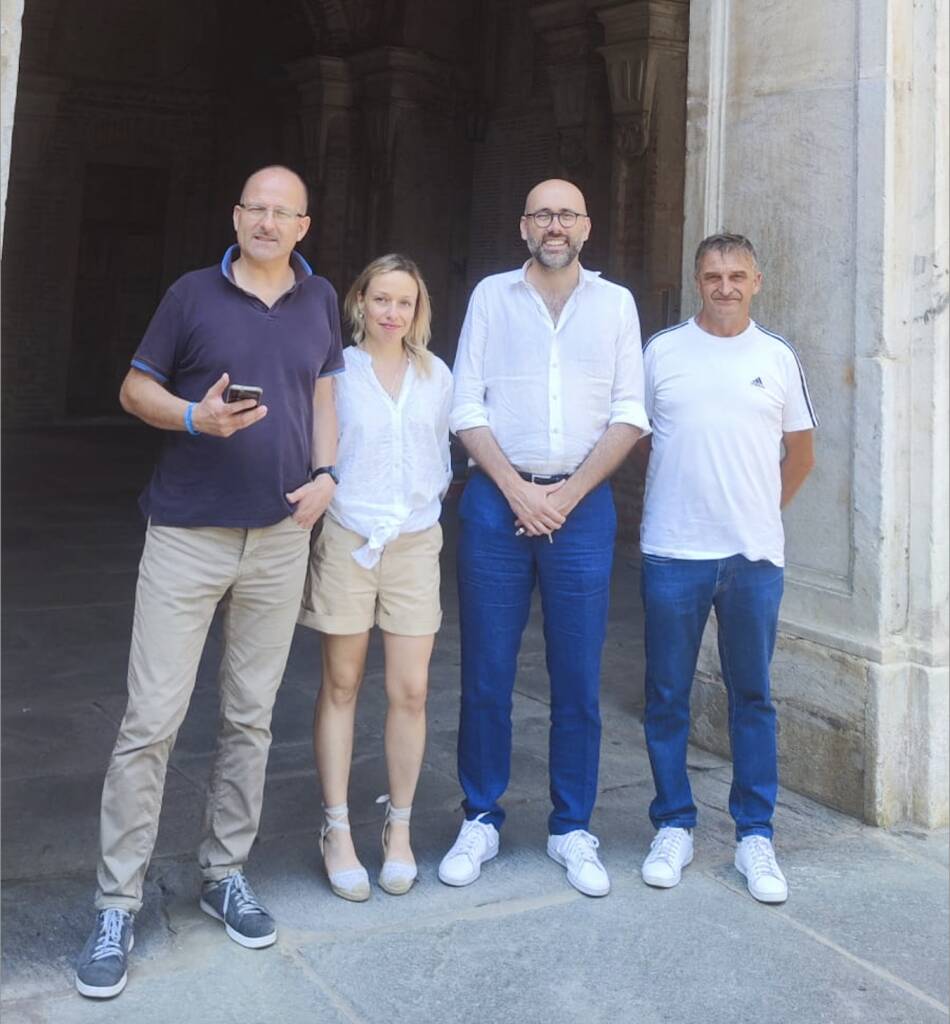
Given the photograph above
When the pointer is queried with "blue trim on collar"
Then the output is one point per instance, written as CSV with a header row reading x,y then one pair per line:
x,y
304,265
227,260
295,258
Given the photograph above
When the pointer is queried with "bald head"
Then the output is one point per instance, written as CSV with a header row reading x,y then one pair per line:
x,y
555,194
555,224
283,178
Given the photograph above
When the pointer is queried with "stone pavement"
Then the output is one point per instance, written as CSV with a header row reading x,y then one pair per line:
x,y
863,938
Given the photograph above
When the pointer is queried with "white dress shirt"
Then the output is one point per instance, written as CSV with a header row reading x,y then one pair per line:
x,y
393,456
548,391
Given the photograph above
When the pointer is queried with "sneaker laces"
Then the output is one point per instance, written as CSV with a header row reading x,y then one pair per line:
x,y
470,838
761,857
581,845
109,942
238,890
666,846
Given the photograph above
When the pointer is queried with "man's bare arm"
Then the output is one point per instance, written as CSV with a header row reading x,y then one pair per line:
x,y
528,501
311,500
641,453
142,396
602,461
798,462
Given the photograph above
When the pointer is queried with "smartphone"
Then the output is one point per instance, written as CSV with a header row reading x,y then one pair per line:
x,y
238,392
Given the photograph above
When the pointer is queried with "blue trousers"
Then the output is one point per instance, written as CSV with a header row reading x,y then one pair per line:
x,y
497,572
677,596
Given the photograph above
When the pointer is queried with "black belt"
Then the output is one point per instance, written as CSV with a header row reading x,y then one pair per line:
x,y
540,478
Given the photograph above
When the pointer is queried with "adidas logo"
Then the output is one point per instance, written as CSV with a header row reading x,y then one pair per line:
x,y
757,383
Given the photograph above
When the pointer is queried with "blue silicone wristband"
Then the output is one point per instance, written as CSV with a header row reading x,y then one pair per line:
x,y
189,422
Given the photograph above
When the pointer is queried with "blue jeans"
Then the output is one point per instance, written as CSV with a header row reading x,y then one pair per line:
x,y
677,595
497,572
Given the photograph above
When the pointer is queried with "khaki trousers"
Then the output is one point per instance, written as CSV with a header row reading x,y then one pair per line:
x,y
184,574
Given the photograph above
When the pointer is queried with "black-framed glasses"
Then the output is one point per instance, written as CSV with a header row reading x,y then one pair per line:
x,y
544,218
257,211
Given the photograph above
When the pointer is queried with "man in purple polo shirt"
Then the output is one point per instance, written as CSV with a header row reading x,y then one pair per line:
x,y
230,506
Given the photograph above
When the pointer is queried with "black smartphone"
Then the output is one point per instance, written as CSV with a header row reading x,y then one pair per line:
x,y
238,392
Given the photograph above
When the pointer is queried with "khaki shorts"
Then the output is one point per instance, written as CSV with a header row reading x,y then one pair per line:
x,y
400,594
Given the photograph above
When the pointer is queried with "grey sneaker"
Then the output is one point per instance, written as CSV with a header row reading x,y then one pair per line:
x,y
102,968
232,901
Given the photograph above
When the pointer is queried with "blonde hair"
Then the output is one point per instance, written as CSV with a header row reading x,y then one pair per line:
x,y
417,338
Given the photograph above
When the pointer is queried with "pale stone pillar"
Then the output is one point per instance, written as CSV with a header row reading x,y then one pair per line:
x,y
11,16
829,150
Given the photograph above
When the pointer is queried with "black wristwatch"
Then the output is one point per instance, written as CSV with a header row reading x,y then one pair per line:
x,y
329,470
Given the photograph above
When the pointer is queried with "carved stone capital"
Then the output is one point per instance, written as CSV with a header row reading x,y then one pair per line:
x,y
632,134
569,38
663,22
631,77
572,151
322,81
381,123
326,93
395,74
570,90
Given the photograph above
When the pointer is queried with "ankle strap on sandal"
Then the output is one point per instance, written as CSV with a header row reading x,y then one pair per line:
x,y
394,814
336,817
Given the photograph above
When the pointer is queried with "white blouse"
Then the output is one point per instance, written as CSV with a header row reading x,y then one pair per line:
x,y
393,457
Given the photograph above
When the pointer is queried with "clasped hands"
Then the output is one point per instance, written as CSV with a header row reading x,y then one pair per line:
x,y
540,509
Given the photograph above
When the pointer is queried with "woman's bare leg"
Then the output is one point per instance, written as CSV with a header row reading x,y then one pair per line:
x,y
407,683
344,658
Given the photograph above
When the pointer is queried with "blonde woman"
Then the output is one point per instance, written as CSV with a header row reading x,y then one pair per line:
x,y
376,561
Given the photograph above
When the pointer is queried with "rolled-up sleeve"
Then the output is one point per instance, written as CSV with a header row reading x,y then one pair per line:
x,y
468,401
627,393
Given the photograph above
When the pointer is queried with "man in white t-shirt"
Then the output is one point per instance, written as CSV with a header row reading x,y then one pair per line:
x,y
731,444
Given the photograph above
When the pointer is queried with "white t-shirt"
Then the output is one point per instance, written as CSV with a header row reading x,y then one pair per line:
x,y
718,408
393,457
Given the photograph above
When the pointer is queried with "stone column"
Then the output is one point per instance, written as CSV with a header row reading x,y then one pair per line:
x,y
11,16
417,161
331,165
645,57
645,54
575,72
831,155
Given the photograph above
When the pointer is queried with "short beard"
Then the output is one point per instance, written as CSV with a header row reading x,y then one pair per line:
x,y
554,261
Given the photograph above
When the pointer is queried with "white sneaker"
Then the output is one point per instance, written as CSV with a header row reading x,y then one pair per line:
x,y
670,852
755,858
476,843
577,851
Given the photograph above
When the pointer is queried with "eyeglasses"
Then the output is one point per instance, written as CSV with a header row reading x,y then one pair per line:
x,y
258,212
544,218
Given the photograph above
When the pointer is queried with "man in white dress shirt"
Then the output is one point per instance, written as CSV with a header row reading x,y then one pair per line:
x,y
725,397
548,403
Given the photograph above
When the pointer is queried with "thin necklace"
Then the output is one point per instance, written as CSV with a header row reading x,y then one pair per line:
x,y
392,388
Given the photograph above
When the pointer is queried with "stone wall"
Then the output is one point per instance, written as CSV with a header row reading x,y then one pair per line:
x,y
828,149
11,13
